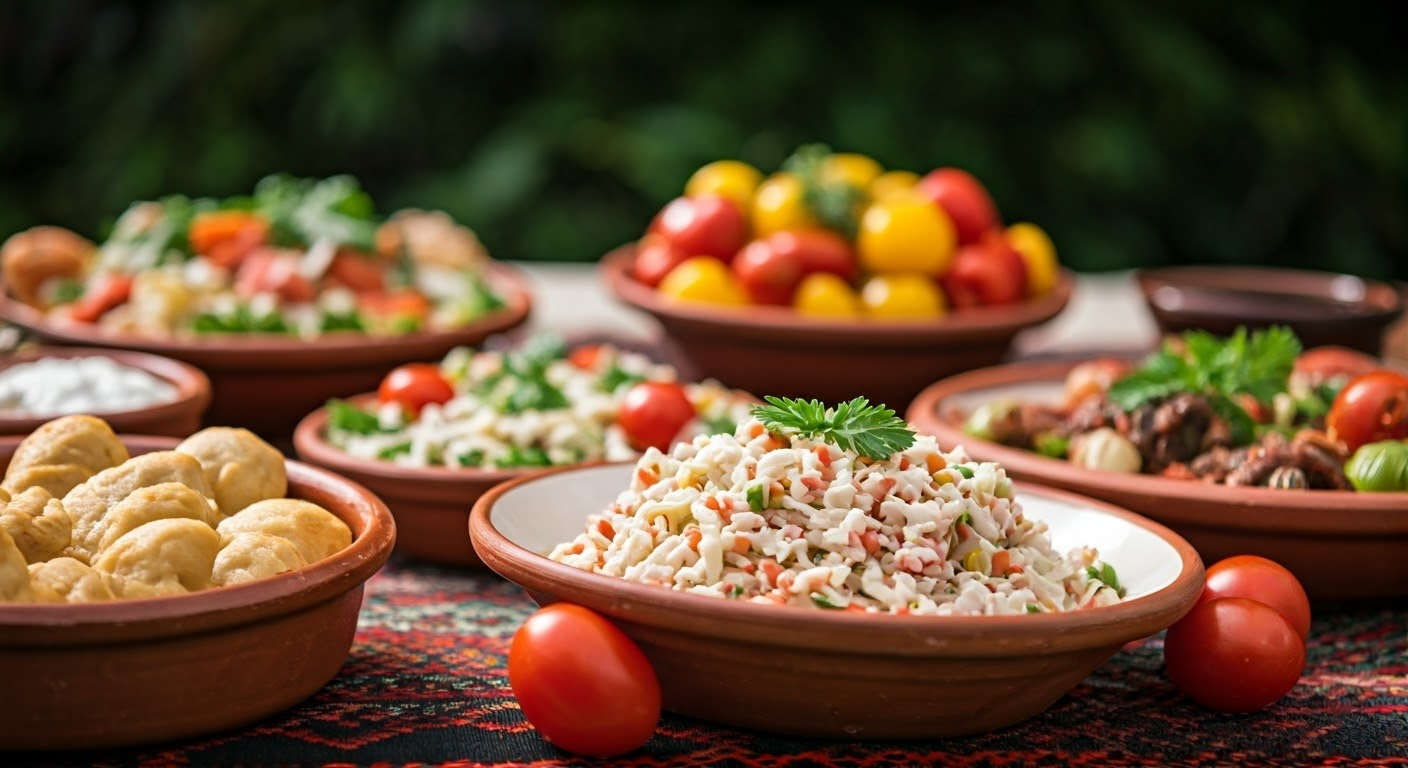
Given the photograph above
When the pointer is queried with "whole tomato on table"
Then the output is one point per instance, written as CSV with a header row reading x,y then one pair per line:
x,y
414,386
1371,407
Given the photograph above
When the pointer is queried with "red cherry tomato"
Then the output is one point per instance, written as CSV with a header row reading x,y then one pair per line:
x,y
1262,580
1370,408
582,682
989,271
106,292
964,199
414,386
585,356
1234,655
819,251
1321,363
656,255
653,413
703,225
769,274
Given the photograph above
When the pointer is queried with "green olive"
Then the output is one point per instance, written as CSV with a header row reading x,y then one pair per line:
x,y
1381,466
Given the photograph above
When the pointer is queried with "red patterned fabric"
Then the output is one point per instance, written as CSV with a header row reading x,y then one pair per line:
x,y
425,684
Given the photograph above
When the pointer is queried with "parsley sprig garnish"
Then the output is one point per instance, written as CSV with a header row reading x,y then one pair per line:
x,y
1257,364
870,430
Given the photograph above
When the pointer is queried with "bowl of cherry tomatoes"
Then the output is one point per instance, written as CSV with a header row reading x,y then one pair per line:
x,y
434,437
794,282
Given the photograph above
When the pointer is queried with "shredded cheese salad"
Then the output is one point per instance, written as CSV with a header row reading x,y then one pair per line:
x,y
772,516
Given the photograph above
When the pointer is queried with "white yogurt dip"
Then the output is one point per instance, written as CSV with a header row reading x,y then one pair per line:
x,y
56,386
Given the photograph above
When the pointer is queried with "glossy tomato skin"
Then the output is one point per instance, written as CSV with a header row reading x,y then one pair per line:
x,y
582,682
1232,654
987,272
768,273
1320,363
414,386
1371,407
656,256
1263,580
964,199
703,225
653,412
818,250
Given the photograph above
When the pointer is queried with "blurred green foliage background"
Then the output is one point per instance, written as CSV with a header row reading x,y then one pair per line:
x,y
1136,133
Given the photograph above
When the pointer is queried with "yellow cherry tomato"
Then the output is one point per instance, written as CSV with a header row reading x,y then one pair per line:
x,y
778,206
891,183
703,280
849,167
733,179
902,296
1039,253
906,232
822,294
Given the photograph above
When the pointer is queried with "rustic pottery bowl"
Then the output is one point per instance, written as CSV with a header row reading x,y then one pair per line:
x,y
431,504
1342,545
268,383
808,672
102,675
775,351
178,417
1321,307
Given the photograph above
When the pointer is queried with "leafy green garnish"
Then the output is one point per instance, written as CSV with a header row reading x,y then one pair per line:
x,y
825,601
350,321
719,425
66,291
1258,364
870,430
301,211
531,456
1033,608
617,377
392,451
757,497
472,459
346,417
1051,444
964,470
835,203
1105,574
242,320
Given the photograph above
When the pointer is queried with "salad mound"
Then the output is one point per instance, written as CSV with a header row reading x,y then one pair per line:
x,y
299,257
842,509
538,405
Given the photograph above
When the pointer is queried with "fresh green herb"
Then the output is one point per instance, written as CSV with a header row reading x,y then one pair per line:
x,y
735,591
719,425
1033,608
346,417
350,321
835,203
1105,574
392,451
403,324
301,211
617,377
1051,444
757,497
66,291
472,459
963,519
531,456
242,320
870,430
1257,364
826,601
964,469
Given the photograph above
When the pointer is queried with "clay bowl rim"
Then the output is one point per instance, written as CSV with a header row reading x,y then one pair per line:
x,y
1264,510
847,633
781,323
1382,301
193,390
220,607
275,352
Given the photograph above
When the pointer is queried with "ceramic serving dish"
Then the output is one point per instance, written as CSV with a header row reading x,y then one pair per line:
x,y
100,675
1316,534
775,351
267,383
1322,308
808,672
177,417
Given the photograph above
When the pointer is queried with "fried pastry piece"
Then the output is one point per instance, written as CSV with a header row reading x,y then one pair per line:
x,y
4,497
239,467
89,502
70,580
38,523
81,445
163,501
14,572
163,557
316,532
250,555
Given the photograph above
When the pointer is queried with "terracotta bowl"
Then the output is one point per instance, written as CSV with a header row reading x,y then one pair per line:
x,y
267,384
1313,533
173,418
431,504
775,351
102,675
1321,307
807,672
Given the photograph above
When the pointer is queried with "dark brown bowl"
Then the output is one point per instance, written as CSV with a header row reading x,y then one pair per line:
x,y
775,351
1321,307
174,418
431,504
835,674
1313,533
102,675
268,383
